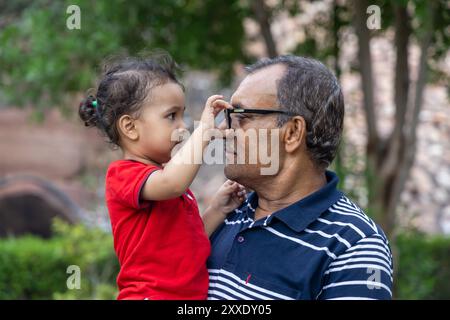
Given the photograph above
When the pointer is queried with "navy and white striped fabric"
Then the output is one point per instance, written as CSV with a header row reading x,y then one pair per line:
x,y
321,247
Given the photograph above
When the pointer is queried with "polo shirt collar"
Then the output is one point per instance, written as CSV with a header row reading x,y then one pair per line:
x,y
250,205
300,214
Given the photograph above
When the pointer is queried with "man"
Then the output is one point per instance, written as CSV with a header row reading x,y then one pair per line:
x,y
296,236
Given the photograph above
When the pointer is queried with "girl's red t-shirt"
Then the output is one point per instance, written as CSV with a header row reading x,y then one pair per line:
x,y
161,245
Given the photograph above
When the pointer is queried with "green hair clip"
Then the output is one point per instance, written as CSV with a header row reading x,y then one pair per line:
x,y
94,103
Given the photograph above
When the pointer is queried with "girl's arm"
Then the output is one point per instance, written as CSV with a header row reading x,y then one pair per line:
x,y
229,197
178,174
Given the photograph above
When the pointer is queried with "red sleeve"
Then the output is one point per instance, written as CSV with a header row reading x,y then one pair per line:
x,y
124,181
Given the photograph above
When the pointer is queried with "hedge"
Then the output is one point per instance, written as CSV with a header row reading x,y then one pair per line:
x,y
423,267
34,268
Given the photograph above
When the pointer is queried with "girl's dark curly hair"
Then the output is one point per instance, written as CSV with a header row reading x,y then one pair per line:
x,y
125,84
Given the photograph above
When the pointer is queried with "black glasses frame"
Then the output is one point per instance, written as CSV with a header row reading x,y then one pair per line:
x,y
228,113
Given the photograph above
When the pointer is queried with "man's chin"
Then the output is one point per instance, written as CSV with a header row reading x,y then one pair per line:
x,y
240,173
231,171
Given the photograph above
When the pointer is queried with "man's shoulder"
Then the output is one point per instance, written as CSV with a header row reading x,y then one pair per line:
x,y
348,218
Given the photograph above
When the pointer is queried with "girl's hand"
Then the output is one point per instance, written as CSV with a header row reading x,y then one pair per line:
x,y
213,106
229,197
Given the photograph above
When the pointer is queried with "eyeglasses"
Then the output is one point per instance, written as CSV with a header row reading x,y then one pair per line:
x,y
228,113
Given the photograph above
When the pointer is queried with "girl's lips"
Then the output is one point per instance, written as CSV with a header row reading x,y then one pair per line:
x,y
175,144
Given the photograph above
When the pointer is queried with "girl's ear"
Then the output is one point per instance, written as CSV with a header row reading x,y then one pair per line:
x,y
295,134
127,127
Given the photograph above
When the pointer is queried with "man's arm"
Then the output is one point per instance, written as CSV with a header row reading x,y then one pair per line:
x,y
362,272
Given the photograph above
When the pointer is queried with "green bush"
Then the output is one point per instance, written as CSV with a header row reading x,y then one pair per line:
x,y
34,268
31,268
423,266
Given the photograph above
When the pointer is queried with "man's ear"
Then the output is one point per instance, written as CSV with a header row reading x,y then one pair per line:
x,y
295,134
127,127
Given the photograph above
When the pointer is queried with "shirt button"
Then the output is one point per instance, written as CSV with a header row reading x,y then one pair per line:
x,y
240,239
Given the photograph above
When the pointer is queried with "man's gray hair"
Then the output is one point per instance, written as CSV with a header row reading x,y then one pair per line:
x,y
312,91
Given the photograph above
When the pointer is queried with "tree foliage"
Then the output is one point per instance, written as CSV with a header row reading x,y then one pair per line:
x,y
42,60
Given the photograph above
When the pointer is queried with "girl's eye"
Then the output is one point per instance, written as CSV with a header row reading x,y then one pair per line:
x,y
172,116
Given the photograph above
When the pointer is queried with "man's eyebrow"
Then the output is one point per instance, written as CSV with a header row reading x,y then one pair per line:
x,y
238,106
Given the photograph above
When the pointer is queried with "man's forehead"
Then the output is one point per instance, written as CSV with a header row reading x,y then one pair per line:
x,y
260,85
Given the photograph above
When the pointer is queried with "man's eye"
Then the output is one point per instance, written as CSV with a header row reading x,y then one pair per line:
x,y
243,118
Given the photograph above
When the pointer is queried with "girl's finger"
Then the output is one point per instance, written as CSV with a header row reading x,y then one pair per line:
x,y
222,104
213,98
235,188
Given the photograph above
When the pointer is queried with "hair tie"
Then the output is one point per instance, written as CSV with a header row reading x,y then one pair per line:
x,y
98,114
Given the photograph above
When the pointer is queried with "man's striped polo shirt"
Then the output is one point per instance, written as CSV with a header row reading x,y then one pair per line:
x,y
321,247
